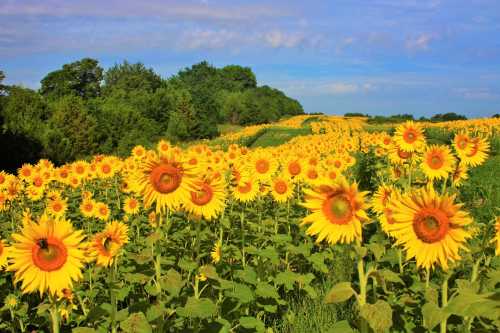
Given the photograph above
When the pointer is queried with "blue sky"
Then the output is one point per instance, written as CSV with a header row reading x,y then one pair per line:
x,y
379,57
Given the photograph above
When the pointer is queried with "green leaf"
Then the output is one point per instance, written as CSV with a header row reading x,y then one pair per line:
x,y
390,276
377,249
271,254
266,290
252,322
318,262
241,292
154,312
432,315
172,282
286,278
209,271
378,315
341,327
339,293
198,308
247,275
187,264
136,323
83,330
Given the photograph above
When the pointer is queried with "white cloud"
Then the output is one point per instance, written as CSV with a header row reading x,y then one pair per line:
x,y
477,93
341,88
277,39
207,39
420,42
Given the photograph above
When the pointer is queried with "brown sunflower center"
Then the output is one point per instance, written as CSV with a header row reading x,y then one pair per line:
x,y
165,178
403,154
312,174
280,187
262,166
410,136
49,254
431,225
435,161
203,195
294,168
80,169
106,168
245,188
338,209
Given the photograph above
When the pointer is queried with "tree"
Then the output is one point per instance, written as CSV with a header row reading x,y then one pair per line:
x,y
131,77
25,112
81,78
72,131
237,78
450,116
233,106
2,87
182,120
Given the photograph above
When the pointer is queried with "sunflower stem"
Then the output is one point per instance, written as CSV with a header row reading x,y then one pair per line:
x,y
444,302
54,315
427,278
112,295
400,261
242,220
363,280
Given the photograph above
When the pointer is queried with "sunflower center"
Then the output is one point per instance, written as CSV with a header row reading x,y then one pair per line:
x,y
431,226
245,188
312,174
80,169
57,207
280,187
203,195
403,154
337,164
338,209
262,166
106,168
165,178
294,168
49,254
410,136
132,204
462,143
435,161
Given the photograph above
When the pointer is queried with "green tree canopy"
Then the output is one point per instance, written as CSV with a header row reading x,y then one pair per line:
x,y
131,77
81,78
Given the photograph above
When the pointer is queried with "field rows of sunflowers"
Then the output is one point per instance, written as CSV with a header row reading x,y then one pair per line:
x,y
206,240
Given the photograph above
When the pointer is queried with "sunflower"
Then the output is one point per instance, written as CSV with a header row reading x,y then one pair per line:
x,y
246,191
101,211
429,226
88,208
208,197
47,256
398,156
437,162
138,152
106,168
80,169
478,152
409,136
459,174
57,207
131,206
462,144
497,236
164,182
293,168
107,244
281,190
4,254
337,212
216,253
25,171
381,197
262,165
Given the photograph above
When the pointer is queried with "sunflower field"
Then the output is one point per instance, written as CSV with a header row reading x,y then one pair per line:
x,y
345,228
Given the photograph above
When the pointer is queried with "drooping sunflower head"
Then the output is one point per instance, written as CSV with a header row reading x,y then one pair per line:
x,y
216,253
337,210
409,136
4,253
459,174
496,239
381,197
438,162
107,244
47,256
432,228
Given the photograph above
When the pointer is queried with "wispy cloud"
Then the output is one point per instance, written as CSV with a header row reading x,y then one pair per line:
x,y
420,42
478,93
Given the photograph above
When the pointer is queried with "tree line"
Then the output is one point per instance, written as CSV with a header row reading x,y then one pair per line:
x,y
398,118
82,109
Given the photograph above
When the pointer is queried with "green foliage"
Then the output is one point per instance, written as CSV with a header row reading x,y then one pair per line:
x,y
450,116
72,130
81,78
130,78
399,118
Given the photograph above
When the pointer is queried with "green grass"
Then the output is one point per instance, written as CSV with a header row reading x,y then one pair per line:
x,y
277,136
